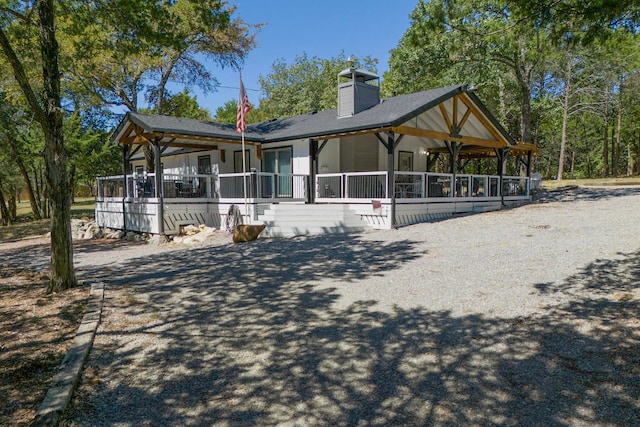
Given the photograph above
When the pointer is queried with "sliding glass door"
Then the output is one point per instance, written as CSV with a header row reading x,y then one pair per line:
x,y
277,161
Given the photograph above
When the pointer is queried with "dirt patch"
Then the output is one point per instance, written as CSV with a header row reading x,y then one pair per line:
x,y
36,330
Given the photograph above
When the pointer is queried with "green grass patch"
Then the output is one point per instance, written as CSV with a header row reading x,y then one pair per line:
x,y
26,226
554,184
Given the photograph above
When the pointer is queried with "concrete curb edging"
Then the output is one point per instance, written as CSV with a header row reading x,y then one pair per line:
x,y
59,394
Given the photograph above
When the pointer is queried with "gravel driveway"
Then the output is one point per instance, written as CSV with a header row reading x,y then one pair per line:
x,y
526,316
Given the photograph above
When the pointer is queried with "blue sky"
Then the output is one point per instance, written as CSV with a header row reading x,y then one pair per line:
x,y
321,28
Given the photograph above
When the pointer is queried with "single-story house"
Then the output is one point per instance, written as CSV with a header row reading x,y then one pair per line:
x,y
366,164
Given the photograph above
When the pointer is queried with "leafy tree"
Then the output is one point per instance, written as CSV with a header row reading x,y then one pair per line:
x,y
23,141
477,38
181,105
90,152
307,84
228,113
129,60
47,111
594,18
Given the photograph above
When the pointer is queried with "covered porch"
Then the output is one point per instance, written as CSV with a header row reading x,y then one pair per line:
x,y
402,161
135,204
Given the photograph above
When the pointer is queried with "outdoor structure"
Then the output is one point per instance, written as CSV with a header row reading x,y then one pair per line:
x,y
366,164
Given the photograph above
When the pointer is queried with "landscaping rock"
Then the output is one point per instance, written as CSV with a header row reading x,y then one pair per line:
x,y
247,233
191,234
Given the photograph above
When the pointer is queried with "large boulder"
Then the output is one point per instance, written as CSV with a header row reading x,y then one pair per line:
x,y
246,232
92,231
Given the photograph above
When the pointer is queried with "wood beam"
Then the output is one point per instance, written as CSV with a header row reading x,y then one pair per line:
x,y
464,118
485,122
321,147
381,139
131,128
446,118
166,145
134,151
442,136
454,125
142,138
398,139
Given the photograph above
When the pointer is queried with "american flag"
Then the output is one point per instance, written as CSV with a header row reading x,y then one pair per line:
x,y
243,109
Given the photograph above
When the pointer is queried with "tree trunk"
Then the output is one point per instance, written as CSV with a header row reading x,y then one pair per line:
x,y
630,160
573,164
523,76
565,120
13,204
605,141
62,275
72,179
619,131
5,216
637,136
150,158
614,154
35,208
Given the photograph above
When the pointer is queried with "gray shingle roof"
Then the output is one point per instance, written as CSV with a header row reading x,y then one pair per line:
x,y
389,112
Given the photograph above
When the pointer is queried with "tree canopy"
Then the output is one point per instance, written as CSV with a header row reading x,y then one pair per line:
x,y
554,77
65,62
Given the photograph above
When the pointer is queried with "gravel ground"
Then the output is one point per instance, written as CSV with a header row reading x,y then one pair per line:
x,y
526,316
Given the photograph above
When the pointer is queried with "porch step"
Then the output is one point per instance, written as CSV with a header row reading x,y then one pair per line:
x,y
287,220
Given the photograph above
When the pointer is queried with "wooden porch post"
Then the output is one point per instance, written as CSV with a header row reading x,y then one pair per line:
x,y
501,154
454,150
390,144
125,170
391,178
159,186
313,169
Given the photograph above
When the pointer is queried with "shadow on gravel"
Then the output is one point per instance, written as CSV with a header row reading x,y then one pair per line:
x,y
38,256
239,335
572,194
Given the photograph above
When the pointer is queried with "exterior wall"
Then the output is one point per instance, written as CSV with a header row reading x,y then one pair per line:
x,y
338,155
141,217
329,158
415,146
417,212
359,153
188,163
181,163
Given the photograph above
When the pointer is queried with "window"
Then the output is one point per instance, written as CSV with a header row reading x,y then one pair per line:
x,y
204,165
277,160
237,161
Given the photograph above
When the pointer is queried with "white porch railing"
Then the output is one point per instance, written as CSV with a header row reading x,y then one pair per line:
x,y
264,185
260,185
416,185
328,187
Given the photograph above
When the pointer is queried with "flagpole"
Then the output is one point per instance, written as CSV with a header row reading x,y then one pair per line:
x,y
244,179
241,124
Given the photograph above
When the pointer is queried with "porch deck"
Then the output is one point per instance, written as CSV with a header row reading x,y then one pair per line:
x,y
364,199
